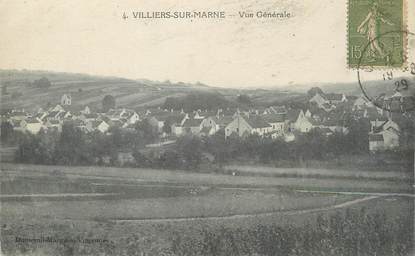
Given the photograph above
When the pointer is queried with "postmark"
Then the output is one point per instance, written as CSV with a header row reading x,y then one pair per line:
x,y
391,89
367,21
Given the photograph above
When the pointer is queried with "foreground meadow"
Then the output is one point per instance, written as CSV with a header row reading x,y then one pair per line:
x,y
117,211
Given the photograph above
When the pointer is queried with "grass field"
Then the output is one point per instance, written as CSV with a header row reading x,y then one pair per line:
x,y
85,90
321,173
210,179
144,209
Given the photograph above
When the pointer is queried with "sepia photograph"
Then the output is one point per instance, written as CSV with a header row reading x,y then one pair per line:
x,y
218,128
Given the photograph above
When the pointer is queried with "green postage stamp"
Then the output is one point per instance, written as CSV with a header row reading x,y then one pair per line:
x,y
376,33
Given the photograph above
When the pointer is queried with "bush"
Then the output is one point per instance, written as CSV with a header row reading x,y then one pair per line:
x,y
352,233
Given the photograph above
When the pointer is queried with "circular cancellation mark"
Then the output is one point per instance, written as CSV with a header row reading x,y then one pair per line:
x,y
388,87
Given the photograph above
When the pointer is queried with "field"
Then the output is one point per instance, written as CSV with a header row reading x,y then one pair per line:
x,y
89,91
321,173
143,210
85,90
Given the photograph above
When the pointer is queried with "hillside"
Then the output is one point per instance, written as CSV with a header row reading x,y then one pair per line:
x,y
85,90
90,90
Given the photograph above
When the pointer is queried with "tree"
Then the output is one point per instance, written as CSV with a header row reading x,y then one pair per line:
x,y
140,159
244,100
313,91
191,149
4,89
7,131
72,146
42,83
145,131
108,102
357,139
167,127
37,149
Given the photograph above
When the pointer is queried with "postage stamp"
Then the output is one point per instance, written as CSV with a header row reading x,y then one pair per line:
x,y
369,42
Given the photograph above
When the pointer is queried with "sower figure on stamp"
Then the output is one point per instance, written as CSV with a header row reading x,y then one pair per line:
x,y
370,26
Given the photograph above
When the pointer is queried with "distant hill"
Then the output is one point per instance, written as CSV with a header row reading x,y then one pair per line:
x,y
372,88
86,90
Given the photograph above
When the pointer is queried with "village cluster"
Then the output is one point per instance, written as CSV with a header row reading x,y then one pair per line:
x,y
325,112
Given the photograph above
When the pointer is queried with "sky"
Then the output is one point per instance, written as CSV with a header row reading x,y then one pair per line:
x,y
91,37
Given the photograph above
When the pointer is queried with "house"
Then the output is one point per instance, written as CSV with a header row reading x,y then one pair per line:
x,y
390,138
291,117
361,103
238,126
259,125
157,122
18,125
115,114
379,123
86,111
16,115
319,99
198,115
81,125
335,98
217,122
243,125
384,135
128,116
90,117
207,131
375,142
98,125
389,124
192,126
211,123
384,140
277,123
335,124
275,110
66,100
41,116
53,115
327,107
53,124
56,108
174,119
226,112
303,123
33,126
223,121
131,117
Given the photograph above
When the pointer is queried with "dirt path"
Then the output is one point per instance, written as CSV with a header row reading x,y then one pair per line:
x,y
356,193
241,216
59,195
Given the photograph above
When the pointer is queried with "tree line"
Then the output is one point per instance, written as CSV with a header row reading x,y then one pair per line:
x,y
72,146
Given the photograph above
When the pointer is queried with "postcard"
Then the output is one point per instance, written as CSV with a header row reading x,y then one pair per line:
x,y
222,127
